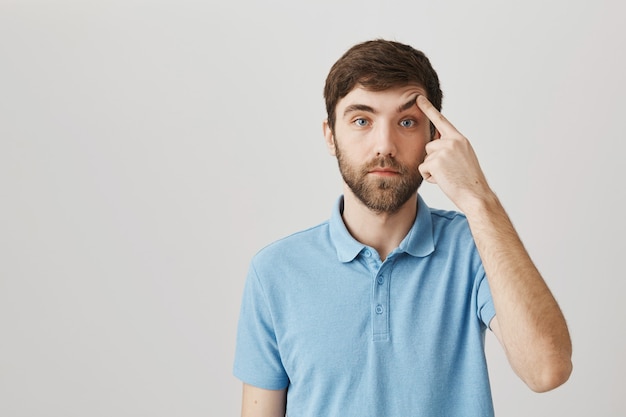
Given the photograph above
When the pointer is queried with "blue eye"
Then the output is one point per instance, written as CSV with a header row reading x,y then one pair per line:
x,y
360,122
407,123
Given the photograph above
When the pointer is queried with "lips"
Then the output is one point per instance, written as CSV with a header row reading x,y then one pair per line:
x,y
384,171
384,166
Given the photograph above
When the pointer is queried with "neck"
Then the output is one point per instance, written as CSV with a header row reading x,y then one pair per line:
x,y
381,231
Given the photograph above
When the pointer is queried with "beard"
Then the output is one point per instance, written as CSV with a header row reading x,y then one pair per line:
x,y
381,195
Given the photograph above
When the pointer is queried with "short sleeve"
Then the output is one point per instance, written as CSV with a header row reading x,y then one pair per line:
x,y
485,308
257,357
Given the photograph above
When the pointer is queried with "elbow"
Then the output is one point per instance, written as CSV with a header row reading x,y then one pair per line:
x,y
551,377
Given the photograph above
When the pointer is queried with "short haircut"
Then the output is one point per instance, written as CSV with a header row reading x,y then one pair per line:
x,y
378,65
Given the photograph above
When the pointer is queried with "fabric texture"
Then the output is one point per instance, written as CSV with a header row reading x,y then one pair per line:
x,y
349,335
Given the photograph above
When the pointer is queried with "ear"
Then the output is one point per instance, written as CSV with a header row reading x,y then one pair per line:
x,y
329,138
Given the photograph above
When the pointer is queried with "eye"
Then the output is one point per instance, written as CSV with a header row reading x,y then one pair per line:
x,y
407,123
360,122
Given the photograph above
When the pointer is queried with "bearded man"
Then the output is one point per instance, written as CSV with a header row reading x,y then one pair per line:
x,y
382,310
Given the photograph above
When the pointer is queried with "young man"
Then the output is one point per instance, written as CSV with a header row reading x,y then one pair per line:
x,y
382,310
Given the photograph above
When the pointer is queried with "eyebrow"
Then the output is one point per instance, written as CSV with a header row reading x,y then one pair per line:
x,y
408,104
358,107
364,107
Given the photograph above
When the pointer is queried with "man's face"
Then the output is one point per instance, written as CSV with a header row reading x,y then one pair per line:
x,y
379,141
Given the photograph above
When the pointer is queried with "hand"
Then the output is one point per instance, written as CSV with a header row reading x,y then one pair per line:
x,y
451,162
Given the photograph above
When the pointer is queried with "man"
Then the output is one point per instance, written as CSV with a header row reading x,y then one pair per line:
x,y
382,310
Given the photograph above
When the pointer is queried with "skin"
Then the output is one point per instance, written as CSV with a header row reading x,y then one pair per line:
x,y
371,125
258,402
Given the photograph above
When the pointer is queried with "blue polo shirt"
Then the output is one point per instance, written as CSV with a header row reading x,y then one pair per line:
x,y
349,335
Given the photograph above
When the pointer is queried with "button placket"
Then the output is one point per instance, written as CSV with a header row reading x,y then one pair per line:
x,y
380,292
380,306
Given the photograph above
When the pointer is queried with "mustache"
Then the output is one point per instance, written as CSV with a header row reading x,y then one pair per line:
x,y
385,162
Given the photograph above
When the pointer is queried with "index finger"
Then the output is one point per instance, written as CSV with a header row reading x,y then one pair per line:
x,y
441,123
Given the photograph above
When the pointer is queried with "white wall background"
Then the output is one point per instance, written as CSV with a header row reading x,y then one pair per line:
x,y
149,148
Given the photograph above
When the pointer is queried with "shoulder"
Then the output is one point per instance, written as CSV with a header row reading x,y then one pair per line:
x,y
448,219
445,215
454,241
305,243
451,230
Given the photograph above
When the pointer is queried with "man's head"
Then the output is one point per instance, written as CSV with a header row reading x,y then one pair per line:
x,y
379,65
374,126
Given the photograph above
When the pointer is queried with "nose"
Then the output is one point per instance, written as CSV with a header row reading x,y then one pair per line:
x,y
385,140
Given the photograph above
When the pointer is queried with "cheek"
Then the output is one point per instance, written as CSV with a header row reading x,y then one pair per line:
x,y
350,150
416,151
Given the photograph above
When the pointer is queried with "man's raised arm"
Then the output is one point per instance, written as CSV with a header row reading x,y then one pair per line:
x,y
528,323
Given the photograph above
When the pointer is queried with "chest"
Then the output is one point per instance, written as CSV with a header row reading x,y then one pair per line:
x,y
333,319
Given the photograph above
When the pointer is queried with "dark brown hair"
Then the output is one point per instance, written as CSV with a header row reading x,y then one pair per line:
x,y
378,65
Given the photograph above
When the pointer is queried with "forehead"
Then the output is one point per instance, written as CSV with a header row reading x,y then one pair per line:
x,y
380,100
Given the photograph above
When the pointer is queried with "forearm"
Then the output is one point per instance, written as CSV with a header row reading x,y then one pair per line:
x,y
530,324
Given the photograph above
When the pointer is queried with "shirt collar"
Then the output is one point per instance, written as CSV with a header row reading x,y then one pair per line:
x,y
419,242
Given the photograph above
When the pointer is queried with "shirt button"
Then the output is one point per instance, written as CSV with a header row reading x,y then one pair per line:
x,y
380,280
379,309
367,253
